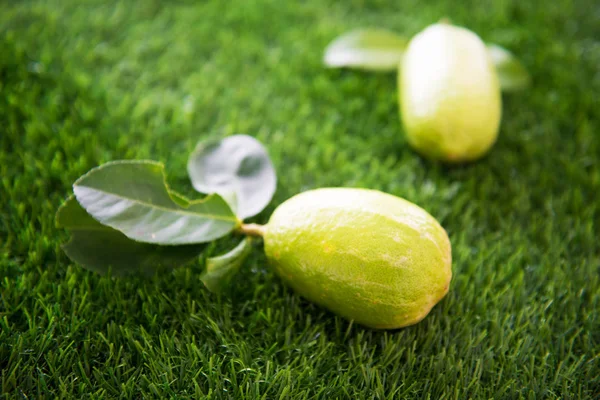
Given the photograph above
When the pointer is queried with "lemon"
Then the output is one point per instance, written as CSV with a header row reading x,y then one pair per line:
x,y
368,256
450,101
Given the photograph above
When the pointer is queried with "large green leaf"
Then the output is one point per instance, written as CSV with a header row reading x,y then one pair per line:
x,y
133,197
100,248
238,168
220,270
369,49
512,74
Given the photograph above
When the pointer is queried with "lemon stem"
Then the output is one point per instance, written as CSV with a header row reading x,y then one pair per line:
x,y
252,229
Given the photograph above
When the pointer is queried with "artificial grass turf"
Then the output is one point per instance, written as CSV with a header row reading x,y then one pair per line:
x,y
82,83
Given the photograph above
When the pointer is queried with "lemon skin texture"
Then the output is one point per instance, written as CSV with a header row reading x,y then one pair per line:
x,y
368,256
450,99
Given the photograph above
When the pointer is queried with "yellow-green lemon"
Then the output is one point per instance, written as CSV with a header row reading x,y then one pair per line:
x,y
450,101
368,256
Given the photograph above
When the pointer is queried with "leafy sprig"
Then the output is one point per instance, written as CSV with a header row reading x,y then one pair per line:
x,y
123,216
382,50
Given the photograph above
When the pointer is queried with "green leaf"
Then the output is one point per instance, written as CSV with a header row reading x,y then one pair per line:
x,y
238,168
369,49
133,197
512,74
220,270
100,248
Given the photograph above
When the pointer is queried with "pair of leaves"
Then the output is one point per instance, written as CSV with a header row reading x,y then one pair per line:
x,y
123,216
382,50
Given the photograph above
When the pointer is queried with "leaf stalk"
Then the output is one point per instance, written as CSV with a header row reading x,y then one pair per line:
x,y
252,230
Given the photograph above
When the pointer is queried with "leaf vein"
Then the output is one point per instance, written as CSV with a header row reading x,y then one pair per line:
x,y
175,211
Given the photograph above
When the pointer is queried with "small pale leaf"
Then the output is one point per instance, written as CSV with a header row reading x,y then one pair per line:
x,y
512,74
133,197
220,269
99,248
369,49
238,168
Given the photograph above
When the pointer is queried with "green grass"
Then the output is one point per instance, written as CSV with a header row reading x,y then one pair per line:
x,y
82,83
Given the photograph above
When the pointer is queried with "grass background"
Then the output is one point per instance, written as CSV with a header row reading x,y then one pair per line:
x,y
82,83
